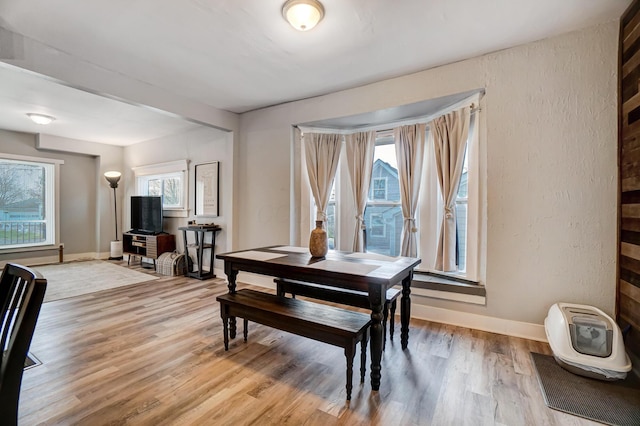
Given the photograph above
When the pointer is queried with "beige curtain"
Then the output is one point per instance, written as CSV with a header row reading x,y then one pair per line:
x,y
322,152
360,150
450,133
409,141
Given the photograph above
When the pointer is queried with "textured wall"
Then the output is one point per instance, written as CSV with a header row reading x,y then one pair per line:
x,y
549,138
629,263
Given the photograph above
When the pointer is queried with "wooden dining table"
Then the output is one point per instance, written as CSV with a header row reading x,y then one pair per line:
x,y
365,272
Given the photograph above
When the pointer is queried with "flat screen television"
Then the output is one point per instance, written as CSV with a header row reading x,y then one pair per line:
x,y
146,214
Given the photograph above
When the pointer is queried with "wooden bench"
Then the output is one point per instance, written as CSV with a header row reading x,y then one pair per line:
x,y
359,299
328,324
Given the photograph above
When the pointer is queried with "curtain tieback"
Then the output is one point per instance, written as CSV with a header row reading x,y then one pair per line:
x,y
320,215
411,221
448,212
360,220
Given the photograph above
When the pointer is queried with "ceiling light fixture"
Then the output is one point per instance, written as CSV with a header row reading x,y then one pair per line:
x,y
303,14
41,118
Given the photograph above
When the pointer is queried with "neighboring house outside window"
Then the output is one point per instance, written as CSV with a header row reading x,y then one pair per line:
x,y
330,226
383,215
461,220
27,201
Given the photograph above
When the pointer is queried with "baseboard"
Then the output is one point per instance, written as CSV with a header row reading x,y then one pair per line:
x,y
448,295
48,260
524,330
445,316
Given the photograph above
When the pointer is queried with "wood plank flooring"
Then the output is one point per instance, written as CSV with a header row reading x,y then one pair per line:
x,y
152,354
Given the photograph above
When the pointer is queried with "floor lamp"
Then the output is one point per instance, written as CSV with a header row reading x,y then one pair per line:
x,y
116,246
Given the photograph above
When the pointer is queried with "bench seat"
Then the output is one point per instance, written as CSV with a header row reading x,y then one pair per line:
x,y
359,299
328,324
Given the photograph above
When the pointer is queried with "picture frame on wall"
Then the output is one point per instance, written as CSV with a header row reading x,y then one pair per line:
x,y
207,189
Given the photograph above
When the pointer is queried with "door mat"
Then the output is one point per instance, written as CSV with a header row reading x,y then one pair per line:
x,y
613,403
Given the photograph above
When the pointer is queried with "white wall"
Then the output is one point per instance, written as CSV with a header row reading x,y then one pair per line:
x,y
198,146
550,140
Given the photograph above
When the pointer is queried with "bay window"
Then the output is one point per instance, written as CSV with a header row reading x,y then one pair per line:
x,y
383,214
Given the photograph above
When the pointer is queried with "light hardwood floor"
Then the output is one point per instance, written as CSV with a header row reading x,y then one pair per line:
x,y
152,354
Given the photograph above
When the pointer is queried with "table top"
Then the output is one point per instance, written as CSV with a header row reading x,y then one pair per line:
x,y
346,269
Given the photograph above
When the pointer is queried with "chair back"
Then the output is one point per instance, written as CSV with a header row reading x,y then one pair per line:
x,y
21,295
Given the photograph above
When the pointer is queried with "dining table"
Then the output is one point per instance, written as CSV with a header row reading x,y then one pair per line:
x,y
367,272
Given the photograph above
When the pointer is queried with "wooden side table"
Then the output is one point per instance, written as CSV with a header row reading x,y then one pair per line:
x,y
200,233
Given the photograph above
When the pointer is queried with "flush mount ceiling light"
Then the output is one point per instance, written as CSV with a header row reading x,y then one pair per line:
x,y
303,14
41,118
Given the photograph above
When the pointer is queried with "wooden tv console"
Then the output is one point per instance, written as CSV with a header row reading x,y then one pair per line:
x,y
149,246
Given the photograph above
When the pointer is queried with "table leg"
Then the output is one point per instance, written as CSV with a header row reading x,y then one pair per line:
x,y
231,277
377,305
405,311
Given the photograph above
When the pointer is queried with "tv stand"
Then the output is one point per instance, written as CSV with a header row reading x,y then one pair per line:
x,y
141,232
147,245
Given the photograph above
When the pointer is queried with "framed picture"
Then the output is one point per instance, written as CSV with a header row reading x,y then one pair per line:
x,y
207,190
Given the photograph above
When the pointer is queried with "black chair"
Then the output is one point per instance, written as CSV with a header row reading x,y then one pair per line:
x,y
21,295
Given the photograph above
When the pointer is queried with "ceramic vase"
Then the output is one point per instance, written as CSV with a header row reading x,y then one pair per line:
x,y
318,242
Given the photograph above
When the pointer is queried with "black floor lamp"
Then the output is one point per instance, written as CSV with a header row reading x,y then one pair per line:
x,y
116,245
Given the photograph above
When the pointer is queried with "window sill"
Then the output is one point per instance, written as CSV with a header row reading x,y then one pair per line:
x,y
34,248
447,288
175,213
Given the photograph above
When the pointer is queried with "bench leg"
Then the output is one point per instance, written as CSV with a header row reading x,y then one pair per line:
x,y
363,355
349,353
232,327
392,320
231,277
246,328
225,325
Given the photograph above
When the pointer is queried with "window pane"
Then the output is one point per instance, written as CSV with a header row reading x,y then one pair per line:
x,y
23,203
383,215
172,192
380,189
154,187
461,232
384,229
461,219
331,224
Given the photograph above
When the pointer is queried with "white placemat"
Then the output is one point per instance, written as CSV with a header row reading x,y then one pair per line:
x,y
257,255
373,256
347,267
291,249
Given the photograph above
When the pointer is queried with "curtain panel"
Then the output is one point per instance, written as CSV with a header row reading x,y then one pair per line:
x,y
410,146
322,152
450,133
360,151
